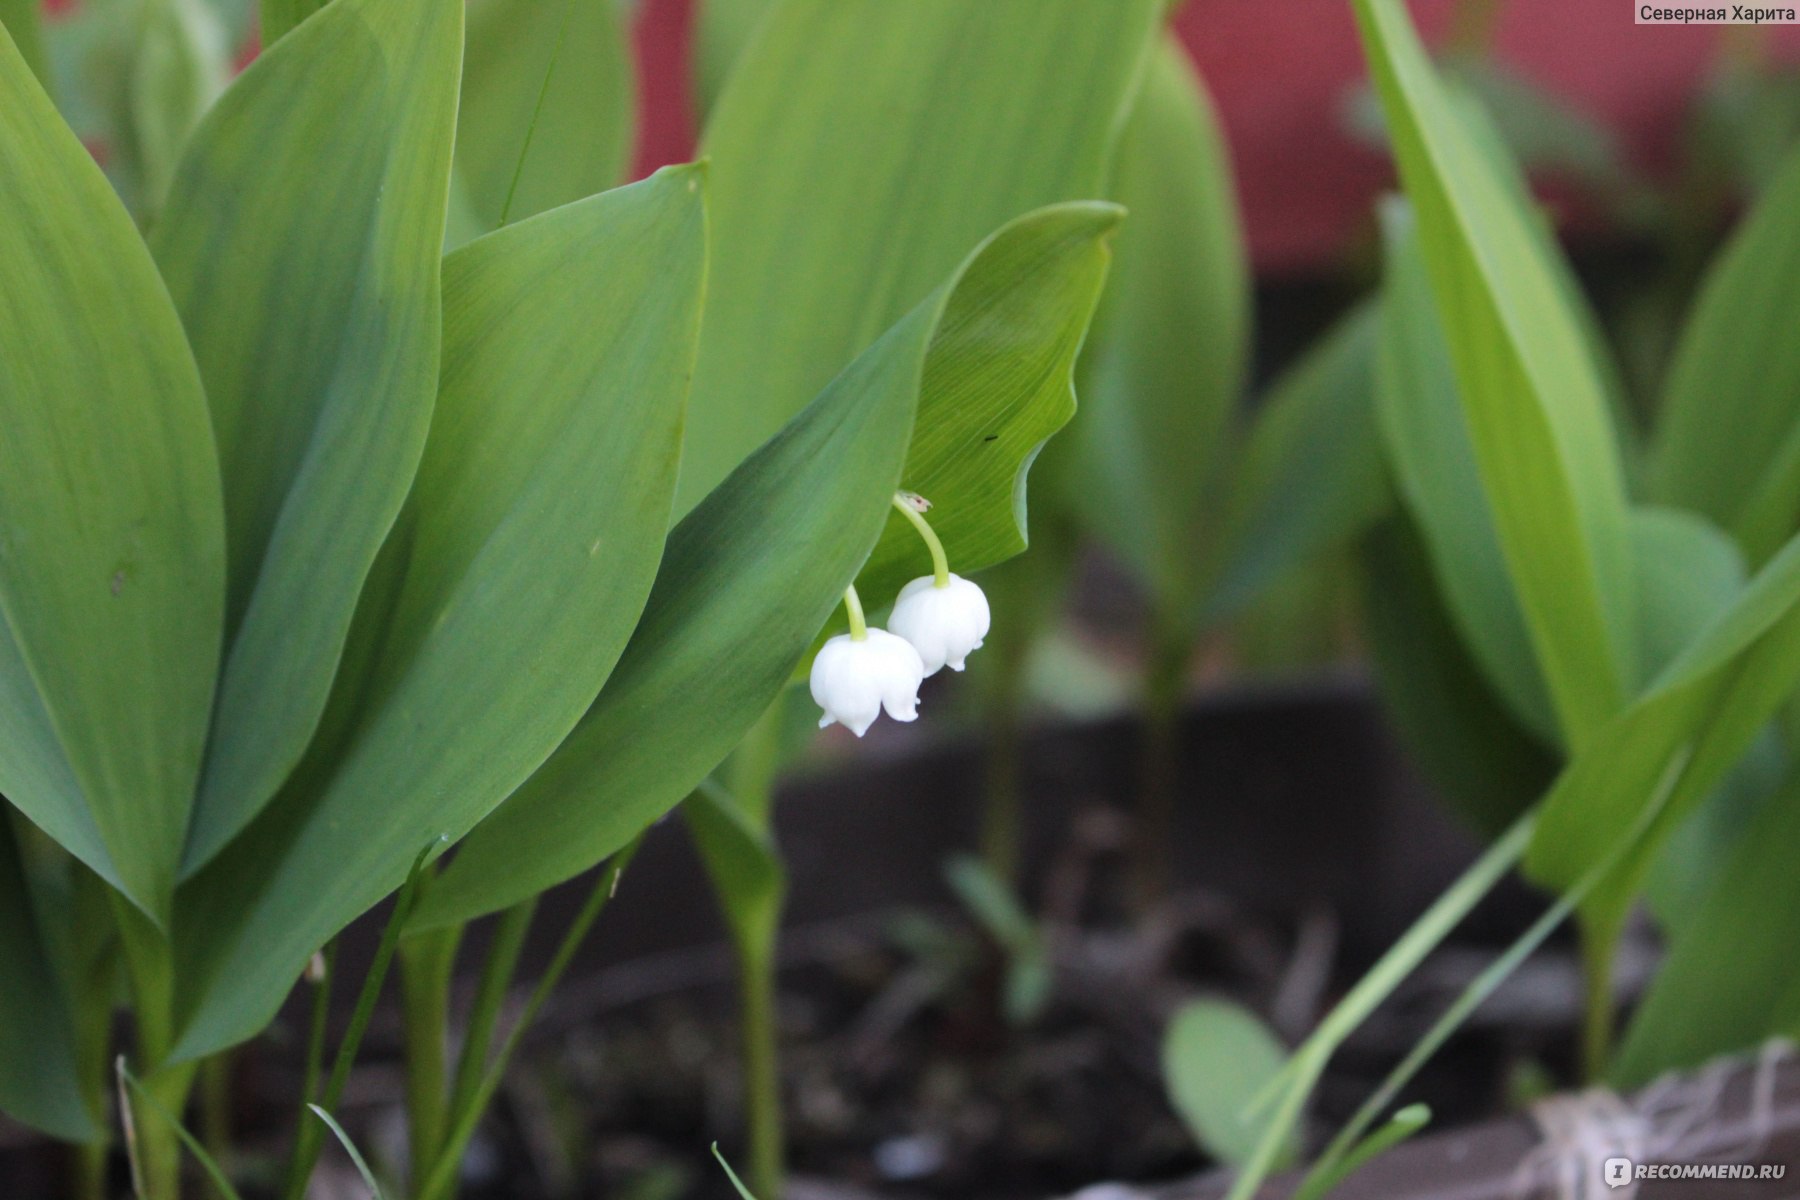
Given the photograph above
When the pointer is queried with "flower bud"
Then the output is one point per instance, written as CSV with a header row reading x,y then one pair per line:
x,y
944,624
854,680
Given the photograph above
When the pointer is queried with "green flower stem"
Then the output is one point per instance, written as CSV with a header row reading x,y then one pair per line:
x,y
156,1148
215,1111
753,770
497,974
859,625
441,1182
940,563
1159,768
427,962
762,1062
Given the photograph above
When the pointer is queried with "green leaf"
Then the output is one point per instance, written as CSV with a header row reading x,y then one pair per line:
x,y
1727,442
722,28
1689,571
277,18
1487,765
751,575
1217,1057
1675,744
1163,372
24,21
1532,397
1311,472
302,240
995,907
180,67
1729,980
742,860
998,383
1434,468
111,549
548,109
40,1075
861,149
538,520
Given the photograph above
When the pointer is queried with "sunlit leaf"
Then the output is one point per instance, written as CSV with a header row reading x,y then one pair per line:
x,y
1531,395
1727,441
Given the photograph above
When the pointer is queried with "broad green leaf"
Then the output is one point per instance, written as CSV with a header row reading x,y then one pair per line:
x,y
1434,468
1311,472
1532,398
1689,571
751,575
24,21
1727,441
1016,351
1164,370
1675,744
277,18
314,314
722,28
861,148
1486,764
40,1081
1730,974
111,549
538,519
548,109
1217,1058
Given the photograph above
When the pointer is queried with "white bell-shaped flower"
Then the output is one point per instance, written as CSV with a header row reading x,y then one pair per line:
x,y
945,624
853,680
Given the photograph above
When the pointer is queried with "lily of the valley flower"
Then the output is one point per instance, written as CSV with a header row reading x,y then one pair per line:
x,y
944,616
945,622
857,674
854,680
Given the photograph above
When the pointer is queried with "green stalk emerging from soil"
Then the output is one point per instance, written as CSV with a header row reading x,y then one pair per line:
x,y
1159,765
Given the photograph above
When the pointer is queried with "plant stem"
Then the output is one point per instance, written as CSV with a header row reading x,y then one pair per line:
x,y
753,771
156,1156
1599,943
215,1112
1002,816
907,503
427,962
90,1170
1159,769
310,1135
440,1183
859,625
762,1064
490,997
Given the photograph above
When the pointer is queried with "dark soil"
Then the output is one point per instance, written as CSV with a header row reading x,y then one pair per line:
x,y
903,1076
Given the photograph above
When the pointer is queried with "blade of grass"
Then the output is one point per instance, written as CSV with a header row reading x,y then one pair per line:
x,y
1290,1089
731,1174
1400,1126
362,1167
207,1163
